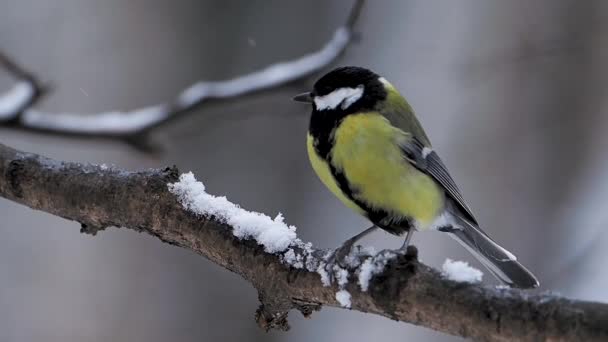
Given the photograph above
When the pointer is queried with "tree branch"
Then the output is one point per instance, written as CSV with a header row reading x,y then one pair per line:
x,y
137,124
405,290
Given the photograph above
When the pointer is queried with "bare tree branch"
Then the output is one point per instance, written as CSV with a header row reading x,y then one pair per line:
x,y
137,123
406,290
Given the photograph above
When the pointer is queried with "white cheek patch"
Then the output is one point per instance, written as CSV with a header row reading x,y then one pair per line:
x,y
345,96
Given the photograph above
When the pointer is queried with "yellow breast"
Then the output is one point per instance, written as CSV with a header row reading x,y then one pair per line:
x,y
366,150
322,169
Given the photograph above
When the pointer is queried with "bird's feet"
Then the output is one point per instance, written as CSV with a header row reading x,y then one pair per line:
x,y
339,256
337,264
338,261
342,261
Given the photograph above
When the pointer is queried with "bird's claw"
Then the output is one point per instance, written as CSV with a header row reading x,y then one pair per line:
x,y
337,260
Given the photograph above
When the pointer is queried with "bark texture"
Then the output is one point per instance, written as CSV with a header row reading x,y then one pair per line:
x,y
407,290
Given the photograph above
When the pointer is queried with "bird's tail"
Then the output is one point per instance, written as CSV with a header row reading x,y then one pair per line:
x,y
498,260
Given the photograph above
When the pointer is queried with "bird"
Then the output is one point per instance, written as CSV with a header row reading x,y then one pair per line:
x,y
368,148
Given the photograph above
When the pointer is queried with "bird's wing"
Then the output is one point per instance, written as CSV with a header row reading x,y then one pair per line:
x,y
417,149
427,161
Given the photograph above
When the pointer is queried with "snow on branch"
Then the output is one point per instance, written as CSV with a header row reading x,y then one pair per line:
x,y
288,273
461,271
273,234
22,95
15,100
15,103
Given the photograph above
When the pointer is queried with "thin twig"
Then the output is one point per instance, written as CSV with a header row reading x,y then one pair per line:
x,y
23,95
135,125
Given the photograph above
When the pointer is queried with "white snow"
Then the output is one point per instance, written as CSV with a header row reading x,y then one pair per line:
x,y
371,267
346,96
108,122
343,297
325,280
273,234
366,271
268,77
461,271
15,99
291,258
341,275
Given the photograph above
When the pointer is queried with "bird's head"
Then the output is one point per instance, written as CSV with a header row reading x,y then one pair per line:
x,y
347,89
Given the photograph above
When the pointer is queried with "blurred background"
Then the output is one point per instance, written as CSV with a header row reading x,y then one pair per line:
x,y
513,95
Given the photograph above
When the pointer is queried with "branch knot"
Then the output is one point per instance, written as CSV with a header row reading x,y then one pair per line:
x,y
15,168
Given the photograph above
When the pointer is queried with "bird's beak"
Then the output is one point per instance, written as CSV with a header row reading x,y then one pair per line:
x,y
304,97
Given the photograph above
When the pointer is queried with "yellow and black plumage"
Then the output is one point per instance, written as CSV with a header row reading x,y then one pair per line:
x,y
366,145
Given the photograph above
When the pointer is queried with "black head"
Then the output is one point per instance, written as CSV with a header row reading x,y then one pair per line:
x,y
349,89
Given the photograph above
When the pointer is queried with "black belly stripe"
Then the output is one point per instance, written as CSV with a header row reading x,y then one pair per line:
x,y
322,129
381,218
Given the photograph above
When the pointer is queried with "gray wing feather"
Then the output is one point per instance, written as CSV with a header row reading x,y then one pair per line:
x,y
437,169
432,165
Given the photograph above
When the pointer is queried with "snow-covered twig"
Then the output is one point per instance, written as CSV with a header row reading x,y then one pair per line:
x,y
268,254
22,95
16,103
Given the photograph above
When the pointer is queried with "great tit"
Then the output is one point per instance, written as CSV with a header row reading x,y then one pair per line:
x,y
366,145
